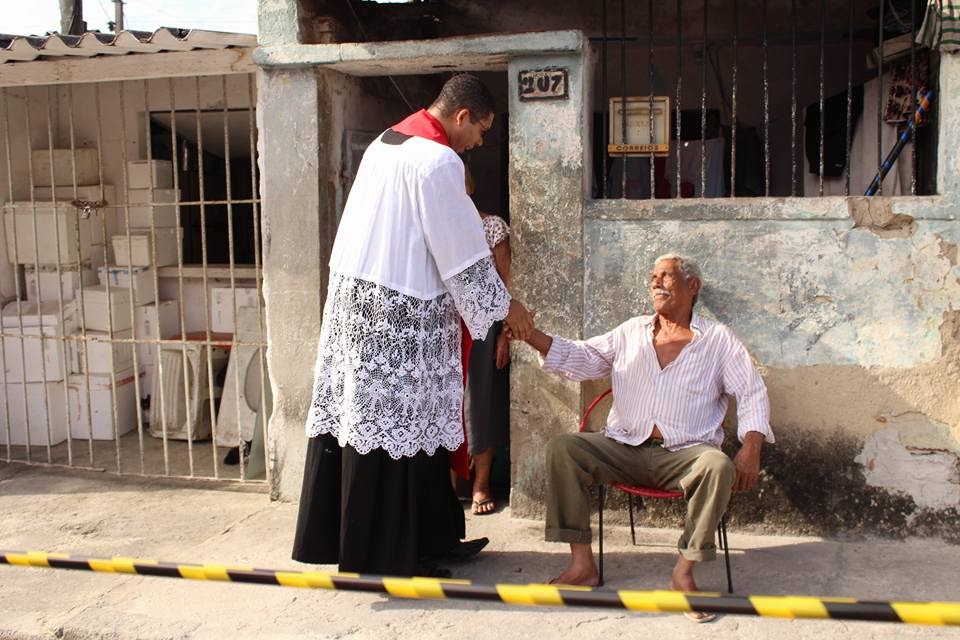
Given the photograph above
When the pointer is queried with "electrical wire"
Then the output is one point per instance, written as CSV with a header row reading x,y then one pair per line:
x,y
363,34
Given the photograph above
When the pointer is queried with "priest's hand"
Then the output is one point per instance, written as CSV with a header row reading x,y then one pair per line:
x,y
519,320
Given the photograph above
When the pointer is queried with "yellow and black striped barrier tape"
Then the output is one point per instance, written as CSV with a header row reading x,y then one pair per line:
x,y
929,613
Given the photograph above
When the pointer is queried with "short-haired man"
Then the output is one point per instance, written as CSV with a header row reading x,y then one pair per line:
x,y
671,373
409,261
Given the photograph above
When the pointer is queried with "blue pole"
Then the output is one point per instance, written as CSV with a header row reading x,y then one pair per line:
x,y
901,142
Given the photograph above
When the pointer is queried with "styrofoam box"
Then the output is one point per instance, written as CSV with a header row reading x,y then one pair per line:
x,y
42,284
138,252
165,315
221,306
138,174
92,193
151,206
141,278
87,164
54,222
152,196
100,408
38,401
46,358
140,216
98,309
99,346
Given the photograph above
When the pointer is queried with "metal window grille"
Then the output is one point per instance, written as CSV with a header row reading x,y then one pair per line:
x,y
766,98
133,335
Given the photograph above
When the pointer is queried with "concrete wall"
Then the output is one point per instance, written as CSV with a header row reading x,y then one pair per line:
x,y
549,166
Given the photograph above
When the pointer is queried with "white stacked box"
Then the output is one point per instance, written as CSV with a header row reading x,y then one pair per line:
x,y
40,396
63,235
165,316
64,162
99,309
43,285
221,306
102,395
139,174
33,358
98,352
152,196
140,279
146,206
137,250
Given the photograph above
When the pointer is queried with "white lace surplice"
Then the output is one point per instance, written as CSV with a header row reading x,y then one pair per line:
x,y
388,371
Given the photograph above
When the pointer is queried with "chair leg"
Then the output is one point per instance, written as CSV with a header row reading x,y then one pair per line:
x,y
633,530
722,535
600,527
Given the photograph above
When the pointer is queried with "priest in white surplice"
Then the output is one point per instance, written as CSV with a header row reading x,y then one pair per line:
x,y
409,261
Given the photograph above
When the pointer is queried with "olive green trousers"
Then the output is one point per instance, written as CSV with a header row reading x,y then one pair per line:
x,y
577,461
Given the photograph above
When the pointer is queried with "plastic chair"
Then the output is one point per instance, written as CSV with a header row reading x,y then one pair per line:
x,y
640,492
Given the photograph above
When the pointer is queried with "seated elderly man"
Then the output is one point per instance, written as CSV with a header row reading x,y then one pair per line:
x,y
671,374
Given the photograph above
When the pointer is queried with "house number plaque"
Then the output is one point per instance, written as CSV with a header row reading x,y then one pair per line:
x,y
542,84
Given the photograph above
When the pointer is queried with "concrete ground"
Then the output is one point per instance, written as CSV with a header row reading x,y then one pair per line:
x,y
86,513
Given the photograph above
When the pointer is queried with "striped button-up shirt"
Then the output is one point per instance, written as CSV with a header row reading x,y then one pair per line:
x,y
686,400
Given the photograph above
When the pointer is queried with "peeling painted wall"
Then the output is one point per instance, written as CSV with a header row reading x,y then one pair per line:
x,y
803,292
847,324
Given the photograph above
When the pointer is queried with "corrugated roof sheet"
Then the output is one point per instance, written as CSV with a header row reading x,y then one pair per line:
x,y
94,43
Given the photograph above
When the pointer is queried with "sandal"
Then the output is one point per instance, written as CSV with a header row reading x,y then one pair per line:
x,y
480,507
699,616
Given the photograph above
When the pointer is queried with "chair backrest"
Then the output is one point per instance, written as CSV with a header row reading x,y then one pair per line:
x,y
596,401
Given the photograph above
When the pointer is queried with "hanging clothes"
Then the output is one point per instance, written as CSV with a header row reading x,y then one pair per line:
x,y
864,157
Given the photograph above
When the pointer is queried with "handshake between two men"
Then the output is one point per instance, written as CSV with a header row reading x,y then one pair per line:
x,y
518,325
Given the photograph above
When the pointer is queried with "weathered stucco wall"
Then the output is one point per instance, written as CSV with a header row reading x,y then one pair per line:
x,y
288,113
548,165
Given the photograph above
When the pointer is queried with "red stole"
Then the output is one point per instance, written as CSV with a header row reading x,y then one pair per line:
x,y
424,125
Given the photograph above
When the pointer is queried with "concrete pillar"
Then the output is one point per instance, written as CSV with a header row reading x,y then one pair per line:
x,y
948,104
549,162
278,22
287,121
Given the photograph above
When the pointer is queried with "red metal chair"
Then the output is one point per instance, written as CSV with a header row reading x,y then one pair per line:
x,y
640,492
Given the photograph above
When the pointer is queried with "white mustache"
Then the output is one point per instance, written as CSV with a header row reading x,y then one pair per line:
x,y
661,292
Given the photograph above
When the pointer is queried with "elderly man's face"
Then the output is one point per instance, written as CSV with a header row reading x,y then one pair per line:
x,y
671,291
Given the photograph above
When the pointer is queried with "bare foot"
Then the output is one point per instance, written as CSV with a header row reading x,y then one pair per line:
x,y
577,577
582,570
682,580
682,577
